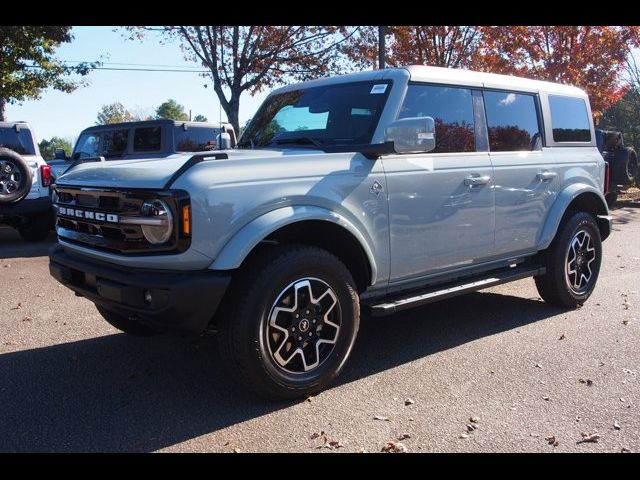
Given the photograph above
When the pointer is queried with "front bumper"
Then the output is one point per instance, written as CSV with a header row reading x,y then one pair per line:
x,y
25,207
183,301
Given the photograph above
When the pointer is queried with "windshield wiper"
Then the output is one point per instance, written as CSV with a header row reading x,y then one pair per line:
x,y
299,140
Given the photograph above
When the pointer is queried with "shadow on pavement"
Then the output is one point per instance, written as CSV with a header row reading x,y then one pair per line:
x,y
12,246
118,393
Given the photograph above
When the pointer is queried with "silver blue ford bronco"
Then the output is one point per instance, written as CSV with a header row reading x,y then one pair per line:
x,y
375,191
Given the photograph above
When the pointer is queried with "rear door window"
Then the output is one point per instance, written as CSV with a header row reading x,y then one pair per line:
x,y
147,139
114,142
512,121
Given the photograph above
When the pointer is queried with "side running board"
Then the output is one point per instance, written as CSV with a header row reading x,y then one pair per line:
x,y
440,292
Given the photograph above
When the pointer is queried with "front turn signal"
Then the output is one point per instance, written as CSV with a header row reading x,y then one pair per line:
x,y
186,219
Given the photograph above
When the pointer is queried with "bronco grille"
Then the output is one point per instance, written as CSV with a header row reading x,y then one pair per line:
x,y
96,218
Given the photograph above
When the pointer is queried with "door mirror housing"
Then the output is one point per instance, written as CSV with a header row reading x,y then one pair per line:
x,y
412,135
60,154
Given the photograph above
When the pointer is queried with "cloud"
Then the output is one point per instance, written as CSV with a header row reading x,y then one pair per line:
x,y
508,100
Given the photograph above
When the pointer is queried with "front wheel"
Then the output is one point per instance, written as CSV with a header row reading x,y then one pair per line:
x,y
288,325
572,262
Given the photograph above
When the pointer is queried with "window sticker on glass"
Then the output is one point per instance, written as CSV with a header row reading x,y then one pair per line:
x,y
380,88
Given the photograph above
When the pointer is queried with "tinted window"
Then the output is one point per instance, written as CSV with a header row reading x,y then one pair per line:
x,y
146,139
87,146
341,114
18,141
512,122
114,142
195,139
569,119
452,111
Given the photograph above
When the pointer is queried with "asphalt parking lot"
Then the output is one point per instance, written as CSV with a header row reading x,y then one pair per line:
x,y
523,371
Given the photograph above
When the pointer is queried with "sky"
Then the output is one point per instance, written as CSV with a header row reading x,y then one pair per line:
x,y
67,114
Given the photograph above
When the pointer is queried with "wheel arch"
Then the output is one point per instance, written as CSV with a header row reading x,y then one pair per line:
x,y
576,197
308,225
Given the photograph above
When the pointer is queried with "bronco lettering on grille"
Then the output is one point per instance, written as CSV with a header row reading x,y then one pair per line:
x,y
88,214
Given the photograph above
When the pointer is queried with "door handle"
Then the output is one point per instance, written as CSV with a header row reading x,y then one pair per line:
x,y
477,180
544,176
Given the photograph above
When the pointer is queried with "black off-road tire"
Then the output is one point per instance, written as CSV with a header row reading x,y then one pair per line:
x,y
15,176
125,325
611,198
38,227
245,332
557,286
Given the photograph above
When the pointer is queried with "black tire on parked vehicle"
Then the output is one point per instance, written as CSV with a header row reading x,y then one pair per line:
x,y
626,166
611,198
15,176
572,262
289,322
38,227
125,325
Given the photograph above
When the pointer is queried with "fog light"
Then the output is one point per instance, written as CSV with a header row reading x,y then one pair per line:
x,y
147,297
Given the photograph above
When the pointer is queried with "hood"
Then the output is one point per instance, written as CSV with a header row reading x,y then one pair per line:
x,y
151,173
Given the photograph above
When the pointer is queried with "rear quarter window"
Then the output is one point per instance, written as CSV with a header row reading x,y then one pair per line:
x,y
147,139
569,119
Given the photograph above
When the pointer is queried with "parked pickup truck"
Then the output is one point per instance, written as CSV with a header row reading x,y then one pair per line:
x,y
25,177
374,191
143,140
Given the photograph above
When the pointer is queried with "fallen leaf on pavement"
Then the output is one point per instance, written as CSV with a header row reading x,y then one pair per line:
x,y
394,447
333,444
552,440
545,398
562,337
474,419
26,319
625,450
625,322
471,427
409,401
593,438
537,365
380,417
404,436
237,450
463,435
630,372
616,425
587,381
17,307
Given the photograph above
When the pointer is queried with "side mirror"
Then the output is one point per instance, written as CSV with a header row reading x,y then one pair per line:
x,y
60,154
223,141
412,135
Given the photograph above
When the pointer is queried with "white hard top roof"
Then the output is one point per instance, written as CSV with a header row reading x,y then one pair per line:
x,y
421,73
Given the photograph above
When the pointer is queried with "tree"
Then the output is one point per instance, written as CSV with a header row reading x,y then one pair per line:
x,y
248,58
590,57
171,110
48,147
200,118
441,46
114,113
28,64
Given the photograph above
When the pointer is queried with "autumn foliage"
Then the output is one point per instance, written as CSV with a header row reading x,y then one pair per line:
x,y
590,57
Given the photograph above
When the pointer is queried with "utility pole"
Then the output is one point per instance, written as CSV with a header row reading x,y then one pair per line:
x,y
381,46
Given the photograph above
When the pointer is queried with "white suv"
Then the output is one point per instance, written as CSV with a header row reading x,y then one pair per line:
x,y
25,201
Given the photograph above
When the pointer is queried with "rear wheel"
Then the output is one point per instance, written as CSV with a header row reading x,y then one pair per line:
x,y
572,262
37,228
288,325
15,176
124,324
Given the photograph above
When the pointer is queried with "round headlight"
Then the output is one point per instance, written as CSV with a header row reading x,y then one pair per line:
x,y
160,226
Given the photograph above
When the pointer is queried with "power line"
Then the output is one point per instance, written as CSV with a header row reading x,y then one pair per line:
x,y
123,69
130,64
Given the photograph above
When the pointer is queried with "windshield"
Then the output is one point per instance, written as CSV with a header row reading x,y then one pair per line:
x,y
342,114
108,144
18,141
